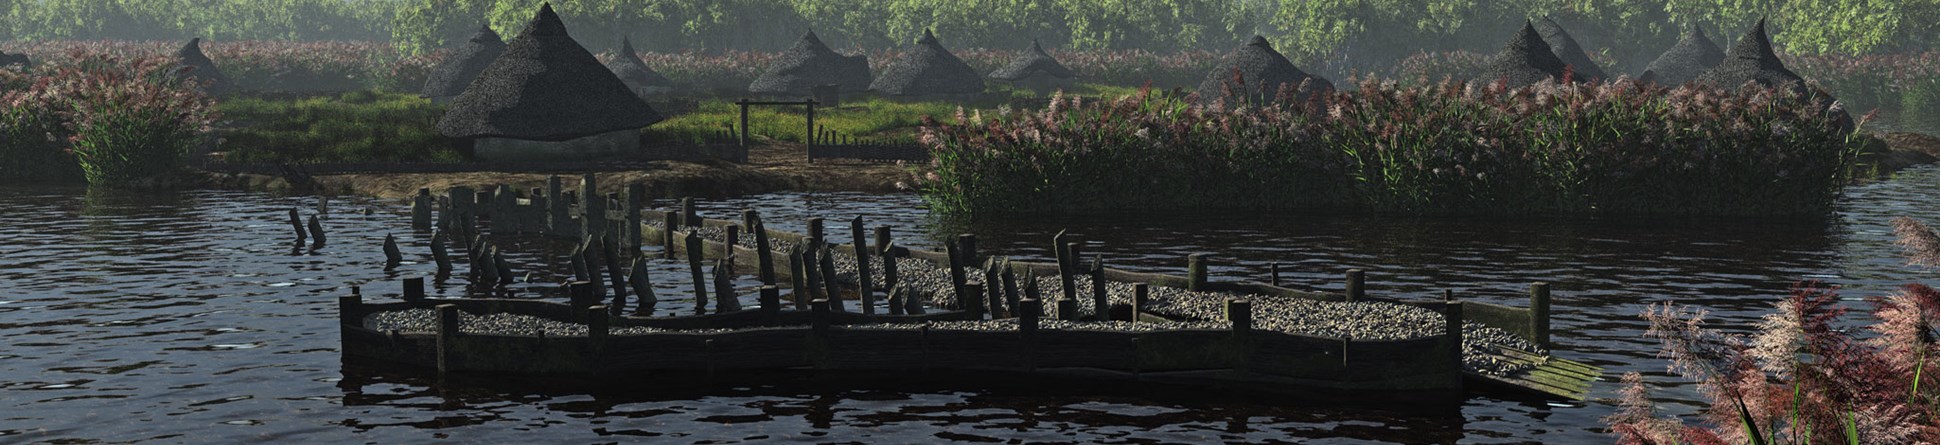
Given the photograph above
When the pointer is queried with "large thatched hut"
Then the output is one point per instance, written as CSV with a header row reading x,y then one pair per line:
x,y
451,77
1262,72
1752,60
201,70
643,80
1036,70
547,98
809,64
1565,47
1693,54
1525,60
928,71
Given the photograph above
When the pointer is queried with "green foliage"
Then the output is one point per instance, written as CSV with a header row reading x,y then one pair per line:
x,y
33,139
871,117
213,19
134,122
353,127
1622,148
1920,108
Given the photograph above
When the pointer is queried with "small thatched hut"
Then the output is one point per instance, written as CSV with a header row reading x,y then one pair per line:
x,y
451,77
928,71
547,98
1036,70
809,64
1263,71
643,80
202,70
16,61
1752,60
1566,48
1693,54
1525,60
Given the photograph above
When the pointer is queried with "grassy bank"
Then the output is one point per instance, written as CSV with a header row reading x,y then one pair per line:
x,y
1448,148
352,127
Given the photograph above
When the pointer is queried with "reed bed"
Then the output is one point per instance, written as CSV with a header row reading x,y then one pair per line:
x,y
1451,147
122,122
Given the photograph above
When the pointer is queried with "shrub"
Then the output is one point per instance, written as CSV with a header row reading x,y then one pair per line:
x,y
1451,147
133,123
33,140
352,127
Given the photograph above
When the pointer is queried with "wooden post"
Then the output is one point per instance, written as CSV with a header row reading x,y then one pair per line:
x,y
725,300
1196,272
819,315
592,209
1057,249
973,300
534,215
882,241
592,252
421,210
1240,314
827,257
349,308
967,246
895,300
689,217
1068,309
1452,322
815,239
1028,311
770,300
296,223
583,293
413,288
392,256
743,140
1030,285
316,231
557,216
733,239
865,286
1009,278
1140,292
615,274
993,292
911,305
764,254
642,282
447,336
636,198
889,273
439,253
1100,290
694,265
1068,276
812,271
798,277
1275,268
809,135
750,218
1356,284
672,224
598,325
955,256
1539,313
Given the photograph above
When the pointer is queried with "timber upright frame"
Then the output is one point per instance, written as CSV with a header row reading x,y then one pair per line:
x,y
809,132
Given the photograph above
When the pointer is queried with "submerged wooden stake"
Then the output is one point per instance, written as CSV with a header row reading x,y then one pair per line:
x,y
694,264
392,256
764,254
642,282
1356,284
316,231
827,257
725,300
1100,290
296,223
865,287
439,253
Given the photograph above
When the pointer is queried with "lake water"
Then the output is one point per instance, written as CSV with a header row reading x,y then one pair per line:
x,y
192,318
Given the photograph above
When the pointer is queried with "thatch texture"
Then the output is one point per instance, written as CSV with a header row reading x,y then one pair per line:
x,y
1565,47
928,69
1752,60
1031,62
811,63
635,73
457,71
1525,60
1263,71
545,88
1693,54
202,70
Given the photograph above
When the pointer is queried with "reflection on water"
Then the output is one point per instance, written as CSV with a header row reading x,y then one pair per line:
x,y
192,317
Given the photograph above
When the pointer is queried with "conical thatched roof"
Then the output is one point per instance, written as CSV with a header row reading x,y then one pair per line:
x,y
545,88
1030,62
927,69
636,74
457,71
1693,54
1566,48
1525,60
1751,60
201,69
808,64
21,60
1264,72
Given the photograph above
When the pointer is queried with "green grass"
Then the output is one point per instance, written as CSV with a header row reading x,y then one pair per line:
x,y
864,117
353,127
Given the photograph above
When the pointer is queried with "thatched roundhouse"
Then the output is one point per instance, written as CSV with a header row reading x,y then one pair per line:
x,y
1037,71
15,61
1565,47
451,77
928,71
1752,60
1263,70
547,98
1524,61
809,64
201,70
1693,54
643,80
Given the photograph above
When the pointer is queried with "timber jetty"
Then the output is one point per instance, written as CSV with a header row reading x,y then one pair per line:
x,y
871,305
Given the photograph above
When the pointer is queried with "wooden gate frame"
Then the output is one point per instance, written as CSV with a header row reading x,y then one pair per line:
x,y
809,135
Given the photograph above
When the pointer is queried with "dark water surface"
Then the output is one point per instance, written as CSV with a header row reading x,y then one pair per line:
x,y
191,318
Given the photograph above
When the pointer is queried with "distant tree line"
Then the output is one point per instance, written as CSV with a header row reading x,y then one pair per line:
x,y
1310,31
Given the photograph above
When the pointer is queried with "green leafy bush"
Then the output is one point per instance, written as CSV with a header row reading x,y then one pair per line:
x,y
33,138
133,122
353,127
